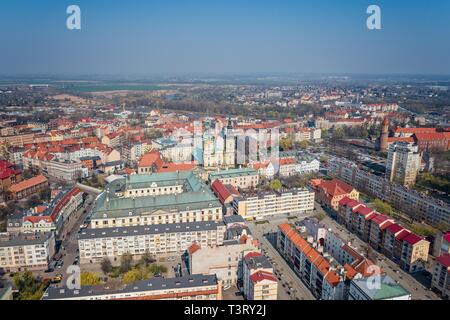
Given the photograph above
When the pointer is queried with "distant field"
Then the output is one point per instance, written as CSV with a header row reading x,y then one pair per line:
x,y
105,87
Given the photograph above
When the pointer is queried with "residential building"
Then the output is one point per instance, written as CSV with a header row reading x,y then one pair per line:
x,y
441,276
21,252
28,187
160,240
8,175
242,178
226,194
192,287
224,261
414,253
258,205
258,280
441,243
329,193
417,205
386,289
403,163
326,281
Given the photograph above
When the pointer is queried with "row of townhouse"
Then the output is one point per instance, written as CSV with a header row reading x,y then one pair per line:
x,y
97,244
419,206
47,218
383,234
441,276
339,272
324,280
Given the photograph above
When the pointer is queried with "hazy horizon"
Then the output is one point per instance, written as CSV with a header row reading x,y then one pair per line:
x,y
227,38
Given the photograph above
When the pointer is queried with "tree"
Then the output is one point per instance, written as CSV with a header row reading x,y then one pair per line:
x,y
89,279
106,265
45,194
29,287
286,143
338,133
126,262
33,201
157,268
383,207
147,259
132,276
275,185
303,144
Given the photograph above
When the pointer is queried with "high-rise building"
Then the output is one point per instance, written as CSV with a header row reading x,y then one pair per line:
x,y
403,163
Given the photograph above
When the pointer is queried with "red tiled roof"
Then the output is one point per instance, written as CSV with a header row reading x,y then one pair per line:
x,y
350,272
332,278
430,136
286,161
25,184
364,267
400,139
262,275
335,187
364,210
173,167
223,191
444,260
193,248
402,234
252,254
414,130
150,159
412,238
447,236
386,225
5,173
394,228
379,218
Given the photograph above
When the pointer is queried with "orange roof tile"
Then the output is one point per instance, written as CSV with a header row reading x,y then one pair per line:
x,y
25,184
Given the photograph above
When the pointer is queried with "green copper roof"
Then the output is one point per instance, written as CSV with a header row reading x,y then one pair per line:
x,y
231,173
388,288
196,195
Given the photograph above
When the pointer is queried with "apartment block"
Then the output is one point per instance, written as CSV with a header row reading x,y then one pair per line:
x,y
403,163
21,252
441,276
419,206
192,287
160,240
259,205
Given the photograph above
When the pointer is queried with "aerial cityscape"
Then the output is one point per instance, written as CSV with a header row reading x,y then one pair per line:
x,y
222,178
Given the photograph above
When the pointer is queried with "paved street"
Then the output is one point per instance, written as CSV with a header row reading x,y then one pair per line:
x,y
418,292
69,244
290,286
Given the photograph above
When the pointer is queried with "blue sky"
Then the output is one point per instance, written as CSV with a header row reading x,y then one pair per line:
x,y
148,37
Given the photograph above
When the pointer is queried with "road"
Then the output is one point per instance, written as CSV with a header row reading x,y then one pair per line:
x,y
69,244
417,290
286,276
